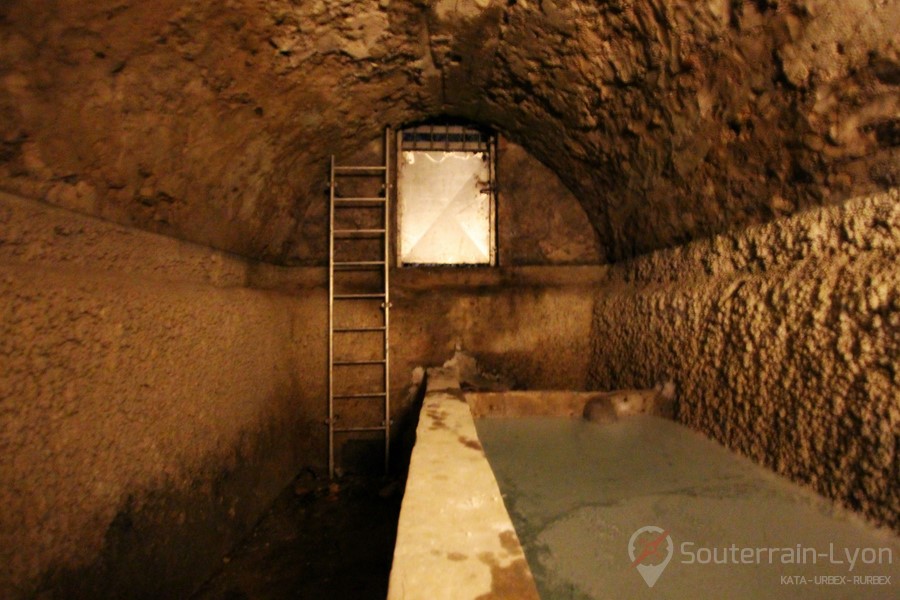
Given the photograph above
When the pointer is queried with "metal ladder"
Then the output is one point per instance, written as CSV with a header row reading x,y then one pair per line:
x,y
358,287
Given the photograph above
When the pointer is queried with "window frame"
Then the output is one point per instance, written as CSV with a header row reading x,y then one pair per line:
x,y
443,137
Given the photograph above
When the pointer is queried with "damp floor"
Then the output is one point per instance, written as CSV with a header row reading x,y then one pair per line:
x,y
319,540
577,492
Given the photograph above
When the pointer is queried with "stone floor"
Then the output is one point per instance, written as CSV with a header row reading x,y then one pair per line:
x,y
578,492
319,540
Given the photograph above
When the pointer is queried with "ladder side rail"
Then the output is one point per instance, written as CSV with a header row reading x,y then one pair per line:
x,y
387,300
331,323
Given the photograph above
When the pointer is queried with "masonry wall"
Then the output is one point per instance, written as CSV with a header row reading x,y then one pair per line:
x,y
153,403
539,220
156,395
782,341
529,325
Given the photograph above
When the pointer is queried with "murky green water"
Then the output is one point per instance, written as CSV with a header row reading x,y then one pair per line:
x,y
577,492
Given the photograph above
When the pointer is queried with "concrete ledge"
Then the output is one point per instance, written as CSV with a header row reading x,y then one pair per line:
x,y
455,539
553,403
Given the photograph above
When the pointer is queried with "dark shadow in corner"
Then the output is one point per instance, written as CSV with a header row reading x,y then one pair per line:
x,y
404,431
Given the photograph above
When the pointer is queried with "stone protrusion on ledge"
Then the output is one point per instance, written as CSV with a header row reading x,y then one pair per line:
x,y
455,539
560,403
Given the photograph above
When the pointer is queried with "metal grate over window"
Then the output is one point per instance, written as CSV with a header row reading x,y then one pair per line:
x,y
447,138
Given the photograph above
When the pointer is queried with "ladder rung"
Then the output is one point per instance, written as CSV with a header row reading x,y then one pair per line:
x,y
378,199
356,263
349,264
345,363
351,396
352,232
356,329
356,296
359,203
351,429
358,169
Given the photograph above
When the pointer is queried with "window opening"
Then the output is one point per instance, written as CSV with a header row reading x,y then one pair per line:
x,y
446,202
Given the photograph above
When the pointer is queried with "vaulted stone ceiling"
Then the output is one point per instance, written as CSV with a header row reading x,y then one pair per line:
x,y
213,121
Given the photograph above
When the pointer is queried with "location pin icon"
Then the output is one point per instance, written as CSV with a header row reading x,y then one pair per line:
x,y
649,549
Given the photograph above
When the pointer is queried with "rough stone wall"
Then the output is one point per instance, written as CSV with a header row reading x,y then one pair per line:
x,y
782,341
669,119
674,120
151,405
531,326
539,221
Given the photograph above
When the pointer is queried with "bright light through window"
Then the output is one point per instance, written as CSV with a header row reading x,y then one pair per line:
x,y
446,207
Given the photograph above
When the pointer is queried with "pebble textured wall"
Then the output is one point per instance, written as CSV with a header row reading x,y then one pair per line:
x,y
669,119
782,341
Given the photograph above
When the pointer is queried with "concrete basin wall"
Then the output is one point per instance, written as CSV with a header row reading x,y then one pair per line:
x,y
455,539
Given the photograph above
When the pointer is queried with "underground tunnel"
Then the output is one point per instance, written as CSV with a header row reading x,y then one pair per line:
x,y
686,209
